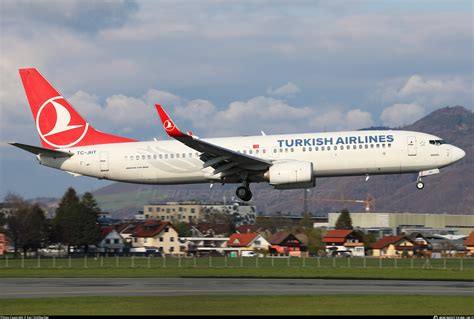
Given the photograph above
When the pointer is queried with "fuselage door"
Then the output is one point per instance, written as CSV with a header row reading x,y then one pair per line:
x,y
411,141
104,161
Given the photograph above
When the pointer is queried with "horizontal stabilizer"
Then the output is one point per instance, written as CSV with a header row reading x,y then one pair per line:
x,y
42,151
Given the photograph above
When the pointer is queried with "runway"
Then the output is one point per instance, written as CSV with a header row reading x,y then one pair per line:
x,y
73,287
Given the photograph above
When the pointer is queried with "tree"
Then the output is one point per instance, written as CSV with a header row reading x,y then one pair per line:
x,y
3,219
14,221
90,227
90,203
61,221
183,229
306,222
75,222
315,243
369,239
344,221
34,229
217,222
26,225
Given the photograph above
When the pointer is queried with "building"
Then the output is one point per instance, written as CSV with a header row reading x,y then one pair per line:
x,y
3,243
287,244
393,246
238,243
198,246
469,242
344,242
395,223
446,245
110,241
174,212
243,214
153,234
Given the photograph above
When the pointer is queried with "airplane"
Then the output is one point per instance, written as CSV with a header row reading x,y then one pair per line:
x,y
286,161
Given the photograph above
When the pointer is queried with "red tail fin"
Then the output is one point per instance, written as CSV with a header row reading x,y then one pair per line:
x,y
57,122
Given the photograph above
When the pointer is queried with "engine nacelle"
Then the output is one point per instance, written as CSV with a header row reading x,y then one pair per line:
x,y
291,175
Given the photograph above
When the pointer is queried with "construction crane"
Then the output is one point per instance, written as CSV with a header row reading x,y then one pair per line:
x,y
369,203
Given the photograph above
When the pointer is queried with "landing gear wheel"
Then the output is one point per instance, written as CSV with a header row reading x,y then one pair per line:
x,y
420,185
244,193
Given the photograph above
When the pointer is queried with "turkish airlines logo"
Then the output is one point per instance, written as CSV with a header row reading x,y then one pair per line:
x,y
59,125
169,125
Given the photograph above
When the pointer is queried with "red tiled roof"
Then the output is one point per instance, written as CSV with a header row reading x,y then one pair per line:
x,y
387,240
277,238
149,228
469,241
336,236
241,240
105,231
125,228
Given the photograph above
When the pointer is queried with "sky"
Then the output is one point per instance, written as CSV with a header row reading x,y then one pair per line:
x,y
224,68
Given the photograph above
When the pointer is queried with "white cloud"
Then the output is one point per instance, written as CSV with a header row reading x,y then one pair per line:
x,y
401,114
284,90
431,91
357,119
340,120
436,89
269,114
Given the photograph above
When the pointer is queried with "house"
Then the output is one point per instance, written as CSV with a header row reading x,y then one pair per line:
x,y
469,242
287,244
198,246
446,245
246,242
3,244
423,246
394,246
110,241
126,231
155,234
344,242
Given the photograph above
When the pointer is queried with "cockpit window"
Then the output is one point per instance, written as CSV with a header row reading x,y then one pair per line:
x,y
437,142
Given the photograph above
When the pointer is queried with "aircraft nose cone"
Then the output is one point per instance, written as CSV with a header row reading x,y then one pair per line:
x,y
457,153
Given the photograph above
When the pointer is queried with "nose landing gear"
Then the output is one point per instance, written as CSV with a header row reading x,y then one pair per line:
x,y
419,184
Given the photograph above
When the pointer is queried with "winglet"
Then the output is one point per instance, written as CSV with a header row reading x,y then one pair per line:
x,y
168,124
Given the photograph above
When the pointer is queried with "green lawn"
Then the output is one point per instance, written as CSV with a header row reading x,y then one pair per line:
x,y
374,268
242,305
354,273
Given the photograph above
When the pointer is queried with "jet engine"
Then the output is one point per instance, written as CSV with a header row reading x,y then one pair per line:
x,y
291,175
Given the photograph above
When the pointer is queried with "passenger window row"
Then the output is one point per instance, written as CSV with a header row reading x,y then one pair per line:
x,y
346,147
263,151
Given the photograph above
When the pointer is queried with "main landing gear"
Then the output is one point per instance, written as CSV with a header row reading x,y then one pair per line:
x,y
244,193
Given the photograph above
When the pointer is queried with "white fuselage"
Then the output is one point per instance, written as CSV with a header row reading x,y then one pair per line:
x,y
332,154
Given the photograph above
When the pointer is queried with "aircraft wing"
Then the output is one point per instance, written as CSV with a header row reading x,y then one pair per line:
x,y
42,151
226,162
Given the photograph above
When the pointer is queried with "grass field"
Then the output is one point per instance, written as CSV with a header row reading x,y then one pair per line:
x,y
459,264
373,268
242,305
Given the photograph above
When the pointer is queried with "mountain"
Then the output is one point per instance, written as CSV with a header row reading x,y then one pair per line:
x,y
451,191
